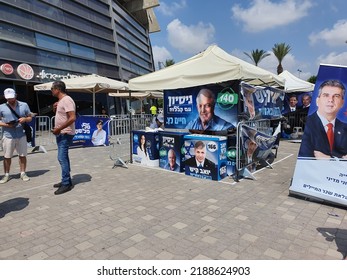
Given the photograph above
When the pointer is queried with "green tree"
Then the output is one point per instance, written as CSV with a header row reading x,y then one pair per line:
x,y
169,62
280,51
257,55
312,79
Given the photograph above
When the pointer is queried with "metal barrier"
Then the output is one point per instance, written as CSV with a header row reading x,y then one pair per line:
x,y
119,140
43,134
263,126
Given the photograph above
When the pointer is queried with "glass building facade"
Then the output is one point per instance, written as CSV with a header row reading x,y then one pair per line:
x,y
47,40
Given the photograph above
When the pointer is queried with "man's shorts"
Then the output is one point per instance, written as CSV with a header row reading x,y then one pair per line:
x,y
18,144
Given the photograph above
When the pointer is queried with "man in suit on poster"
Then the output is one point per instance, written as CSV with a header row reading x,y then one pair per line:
x,y
199,159
325,136
206,119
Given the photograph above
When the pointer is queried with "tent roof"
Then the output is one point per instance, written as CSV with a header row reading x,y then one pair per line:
x,y
213,65
90,83
294,84
139,95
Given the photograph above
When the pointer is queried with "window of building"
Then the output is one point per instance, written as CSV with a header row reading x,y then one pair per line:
x,y
82,51
133,67
51,43
126,54
122,22
121,12
11,51
16,34
50,59
43,25
105,57
130,46
131,37
83,66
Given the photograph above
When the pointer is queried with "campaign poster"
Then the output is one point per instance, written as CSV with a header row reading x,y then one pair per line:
x,y
262,102
205,156
146,147
211,107
324,142
91,131
254,146
171,150
302,101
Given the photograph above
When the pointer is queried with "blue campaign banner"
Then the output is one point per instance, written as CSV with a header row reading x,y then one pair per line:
x,y
303,99
209,107
255,146
262,102
91,131
324,142
205,156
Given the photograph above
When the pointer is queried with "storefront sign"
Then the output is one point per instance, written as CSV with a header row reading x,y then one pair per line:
x,y
25,71
7,69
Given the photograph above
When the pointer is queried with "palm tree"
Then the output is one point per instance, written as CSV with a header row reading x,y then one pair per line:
x,y
280,51
312,79
169,62
257,55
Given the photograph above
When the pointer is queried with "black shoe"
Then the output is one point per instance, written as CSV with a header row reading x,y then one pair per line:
x,y
58,185
63,189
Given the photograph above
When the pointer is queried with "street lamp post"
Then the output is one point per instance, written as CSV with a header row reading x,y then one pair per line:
x,y
161,65
299,71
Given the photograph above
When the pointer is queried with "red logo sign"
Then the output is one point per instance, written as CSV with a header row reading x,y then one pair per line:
x,y
6,68
25,71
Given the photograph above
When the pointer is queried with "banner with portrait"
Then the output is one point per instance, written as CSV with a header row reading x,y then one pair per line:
x,y
210,107
254,146
324,142
91,131
262,102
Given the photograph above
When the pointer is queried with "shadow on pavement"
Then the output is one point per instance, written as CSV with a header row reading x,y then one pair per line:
x,y
340,237
81,178
36,173
14,204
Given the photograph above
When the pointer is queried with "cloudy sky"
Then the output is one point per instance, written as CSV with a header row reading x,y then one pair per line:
x,y
316,31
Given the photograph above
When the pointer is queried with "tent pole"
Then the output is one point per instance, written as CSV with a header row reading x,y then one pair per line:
x,y
93,102
130,128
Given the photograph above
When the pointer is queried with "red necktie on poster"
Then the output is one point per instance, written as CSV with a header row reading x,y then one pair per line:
x,y
330,134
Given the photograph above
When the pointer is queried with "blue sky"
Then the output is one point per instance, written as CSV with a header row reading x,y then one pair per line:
x,y
316,30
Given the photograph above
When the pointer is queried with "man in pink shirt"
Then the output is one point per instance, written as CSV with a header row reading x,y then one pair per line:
x,y
64,130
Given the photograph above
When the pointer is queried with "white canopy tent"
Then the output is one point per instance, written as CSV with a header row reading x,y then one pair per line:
x,y
141,95
89,84
295,84
213,65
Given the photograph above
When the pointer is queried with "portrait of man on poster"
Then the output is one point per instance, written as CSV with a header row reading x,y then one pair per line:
x,y
207,119
325,136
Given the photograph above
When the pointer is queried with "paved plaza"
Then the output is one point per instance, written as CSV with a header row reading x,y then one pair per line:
x,y
149,213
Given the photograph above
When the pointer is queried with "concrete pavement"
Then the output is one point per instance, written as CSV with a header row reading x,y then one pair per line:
x,y
145,213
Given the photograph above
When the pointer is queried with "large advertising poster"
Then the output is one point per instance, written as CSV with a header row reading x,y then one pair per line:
x,y
321,167
209,107
91,131
262,102
205,156
255,146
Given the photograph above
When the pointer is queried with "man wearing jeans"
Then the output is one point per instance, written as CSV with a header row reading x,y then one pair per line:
x,y
64,130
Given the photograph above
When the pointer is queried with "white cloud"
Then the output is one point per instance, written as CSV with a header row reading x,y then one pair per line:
x,y
332,37
264,14
160,54
190,39
172,8
333,58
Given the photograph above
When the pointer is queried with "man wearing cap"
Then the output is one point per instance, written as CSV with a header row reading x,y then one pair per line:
x,y
14,137
158,122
